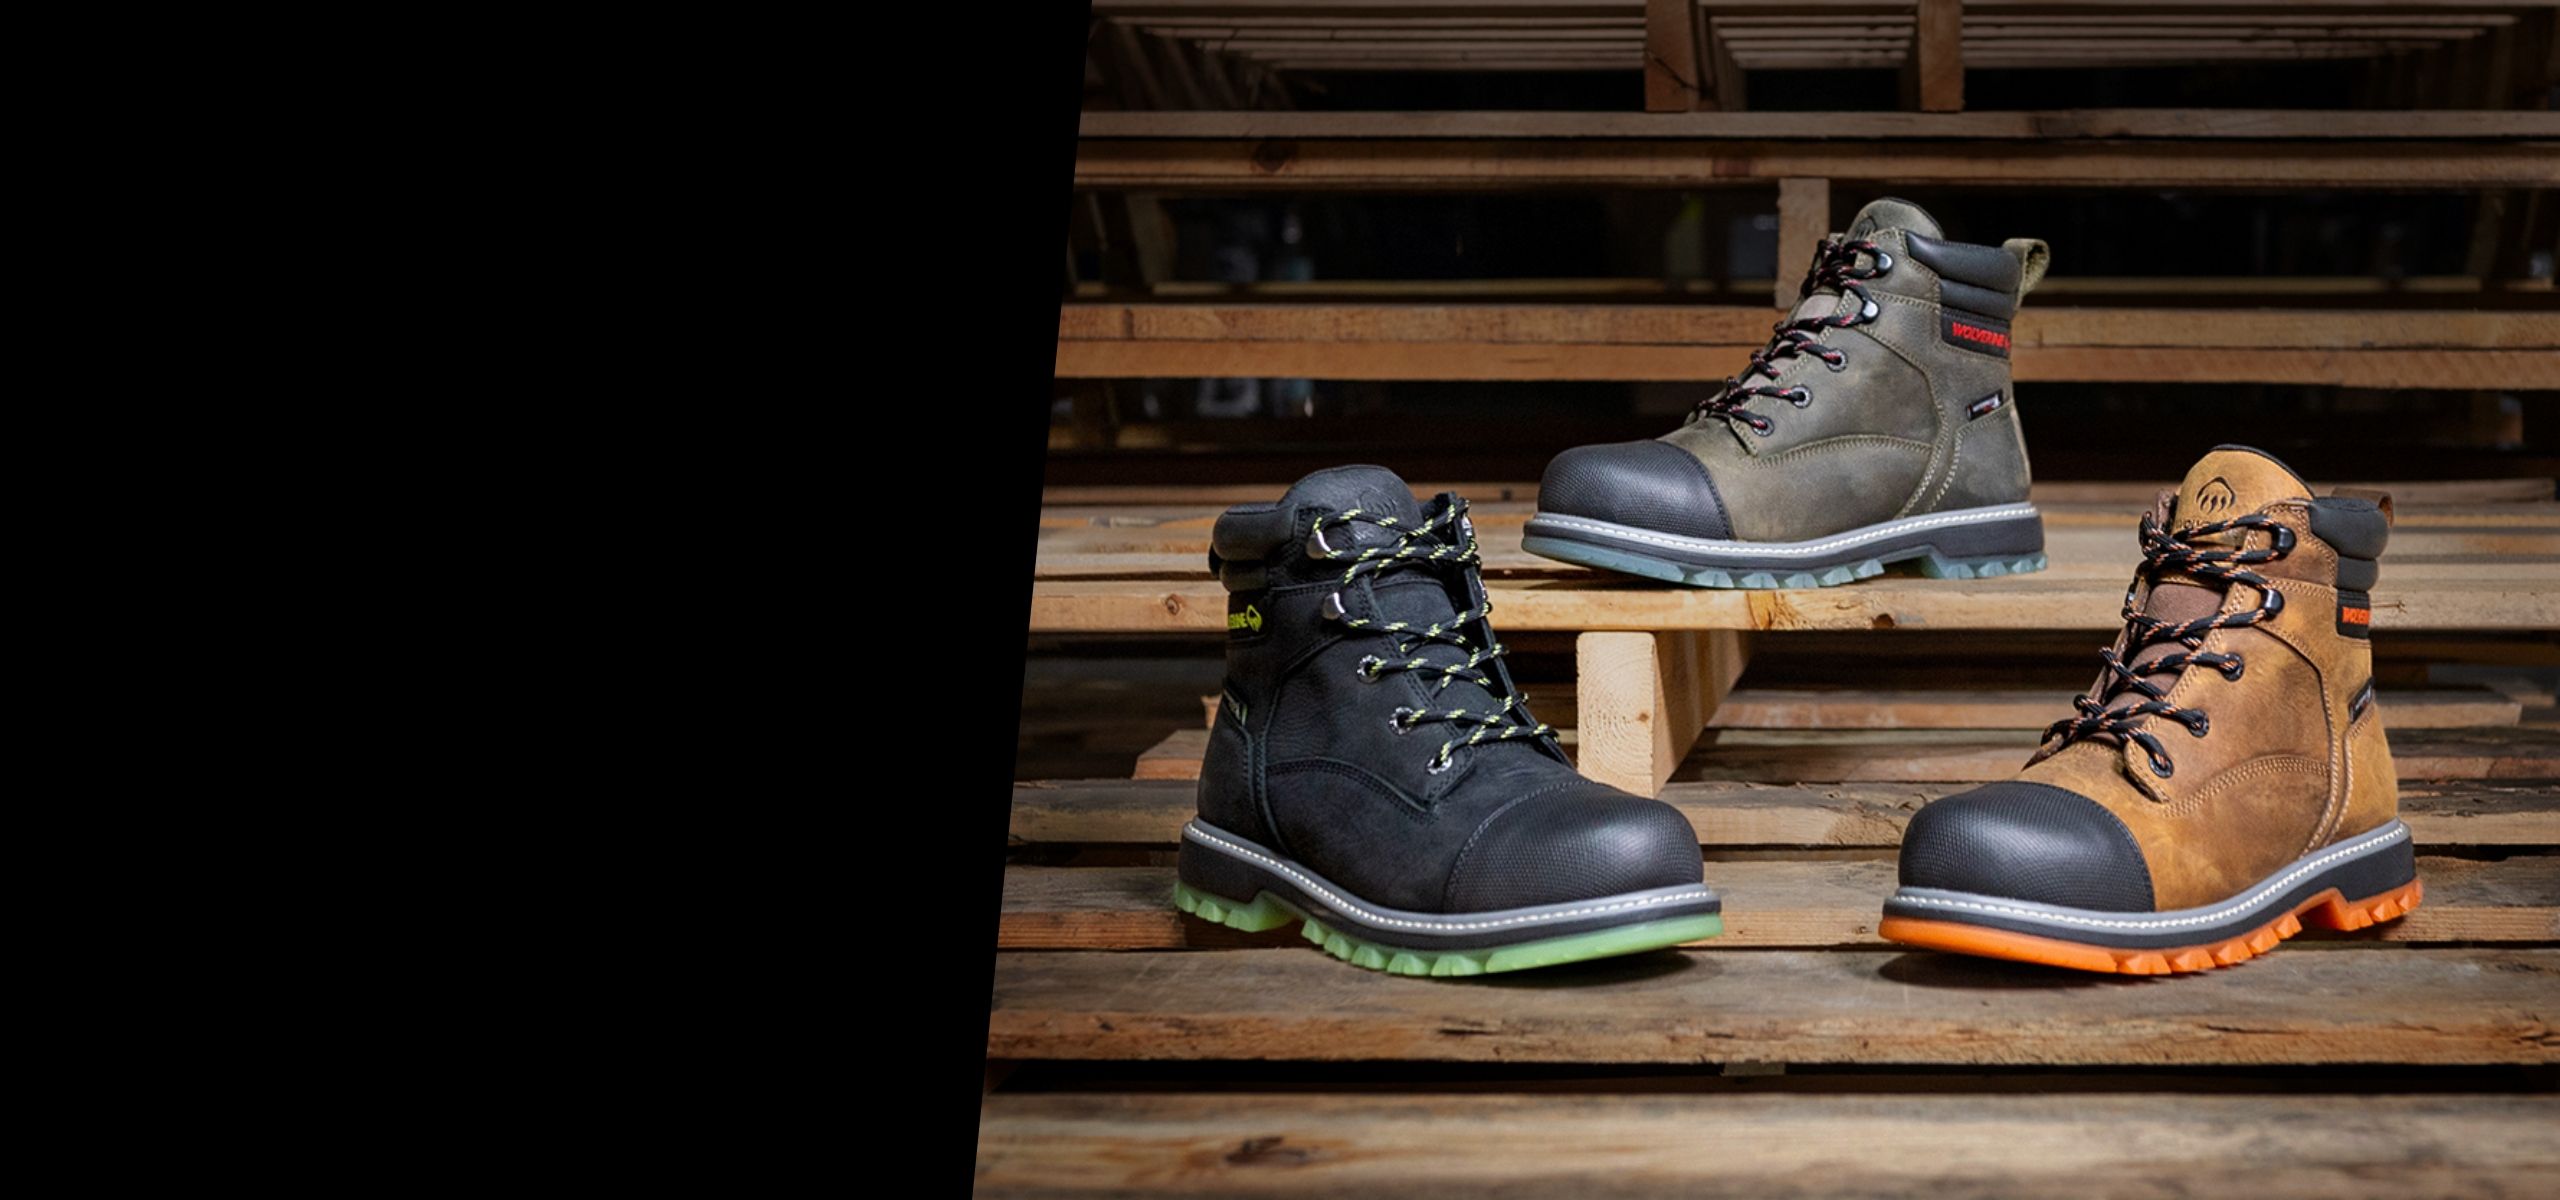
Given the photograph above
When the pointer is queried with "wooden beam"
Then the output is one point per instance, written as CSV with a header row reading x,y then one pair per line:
x,y
2131,496
2301,1006
1935,72
1277,164
1769,905
1893,602
1673,75
1829,815
1959,756
1763,1146
1646,697
2061,124
2401,349
1804,218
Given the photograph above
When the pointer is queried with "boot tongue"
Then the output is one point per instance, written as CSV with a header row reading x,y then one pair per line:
x,y
1890,213
2228,482
1887,213
1374,491
2233,481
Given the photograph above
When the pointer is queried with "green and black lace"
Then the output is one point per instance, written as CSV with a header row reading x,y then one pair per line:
x,y
1444,540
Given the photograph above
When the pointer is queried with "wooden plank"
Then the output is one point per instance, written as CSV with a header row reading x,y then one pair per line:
x,y
1338,164
1644,698
1889,602
1894,707
1762,1147
1937,57
1798,10
2034,708
2051,125
1740,326
2460,370
2301,1006
1729,815
1774,904
2084,543
2129,496
2461,350
1961,755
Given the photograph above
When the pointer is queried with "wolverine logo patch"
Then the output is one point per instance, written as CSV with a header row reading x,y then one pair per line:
x,y
2215,499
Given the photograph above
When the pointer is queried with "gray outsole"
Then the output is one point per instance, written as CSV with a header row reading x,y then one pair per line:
x,y
1931,564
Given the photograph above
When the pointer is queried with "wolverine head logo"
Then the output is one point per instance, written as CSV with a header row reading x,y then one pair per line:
x,y
2215,499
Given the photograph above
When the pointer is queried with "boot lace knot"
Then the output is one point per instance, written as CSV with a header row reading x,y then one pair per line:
x,y
2166,552
1836,269
1444,540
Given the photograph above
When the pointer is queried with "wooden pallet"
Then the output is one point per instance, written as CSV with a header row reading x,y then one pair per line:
x,y
1654,662
1776,1030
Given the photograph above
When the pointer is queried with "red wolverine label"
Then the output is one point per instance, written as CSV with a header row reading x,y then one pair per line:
x,y
2355,614
1980,334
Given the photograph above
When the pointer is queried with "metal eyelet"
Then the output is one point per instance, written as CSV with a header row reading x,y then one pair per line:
x,y
1440,764
1317,547
2274,602
1395,721
1884,262
2233,672
1368,668
2164,771
2200,726
1869,312
1838,362
1799,397
1333,610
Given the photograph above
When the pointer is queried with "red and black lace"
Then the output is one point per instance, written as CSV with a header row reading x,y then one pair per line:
x,y
2164,553
1836,270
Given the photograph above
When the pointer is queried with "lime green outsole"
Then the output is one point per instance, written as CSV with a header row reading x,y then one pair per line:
x,y
1271,912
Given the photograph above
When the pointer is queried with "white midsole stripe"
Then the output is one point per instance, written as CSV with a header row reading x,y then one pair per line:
x,y
1855,537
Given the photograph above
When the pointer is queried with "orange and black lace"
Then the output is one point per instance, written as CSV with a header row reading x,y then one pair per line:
x,y
1446,539
2164,552
1835,269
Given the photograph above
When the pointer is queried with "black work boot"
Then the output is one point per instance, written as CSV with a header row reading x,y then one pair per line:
x,y
1374,773
1877,426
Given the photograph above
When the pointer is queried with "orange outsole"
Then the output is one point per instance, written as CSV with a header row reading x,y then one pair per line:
x,y
2327,908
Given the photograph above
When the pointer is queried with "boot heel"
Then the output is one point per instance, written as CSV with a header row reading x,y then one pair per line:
x,y
1263,913
1938,566
2342,914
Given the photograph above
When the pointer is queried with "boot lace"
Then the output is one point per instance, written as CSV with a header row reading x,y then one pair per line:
x,y
2163,551
1835,269
1444,540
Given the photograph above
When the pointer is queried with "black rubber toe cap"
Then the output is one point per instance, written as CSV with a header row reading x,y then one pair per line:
x,y
1650,485
1575,844
2027,841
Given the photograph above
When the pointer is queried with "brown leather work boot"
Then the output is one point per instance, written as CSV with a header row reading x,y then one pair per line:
x,y
2227,775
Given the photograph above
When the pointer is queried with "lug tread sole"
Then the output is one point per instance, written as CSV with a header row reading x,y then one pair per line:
x,y
1267,911
1930,564
2326,908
